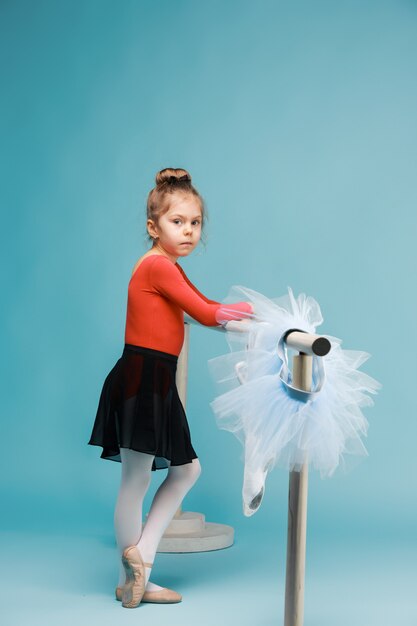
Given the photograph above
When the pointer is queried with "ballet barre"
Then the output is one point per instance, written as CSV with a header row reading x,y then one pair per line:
x,y
307,345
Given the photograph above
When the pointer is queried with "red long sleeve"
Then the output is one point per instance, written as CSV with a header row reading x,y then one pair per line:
x,y
195,288
158,293
169,282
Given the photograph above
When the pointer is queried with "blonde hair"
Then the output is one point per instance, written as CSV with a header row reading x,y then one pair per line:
x,y
168,182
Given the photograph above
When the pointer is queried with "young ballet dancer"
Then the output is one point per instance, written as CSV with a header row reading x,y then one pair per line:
x,y
140,419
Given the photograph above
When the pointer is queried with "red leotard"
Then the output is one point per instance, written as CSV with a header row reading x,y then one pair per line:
x,y
158,293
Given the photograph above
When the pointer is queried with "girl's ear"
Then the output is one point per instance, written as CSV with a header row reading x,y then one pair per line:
x,y
151,228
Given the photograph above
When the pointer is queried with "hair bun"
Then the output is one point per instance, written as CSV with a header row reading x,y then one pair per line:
x,y
172,176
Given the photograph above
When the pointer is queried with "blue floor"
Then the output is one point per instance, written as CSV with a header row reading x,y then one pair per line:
x,y
48,579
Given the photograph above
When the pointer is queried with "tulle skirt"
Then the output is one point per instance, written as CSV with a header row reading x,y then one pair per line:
x,y
277,424
140,409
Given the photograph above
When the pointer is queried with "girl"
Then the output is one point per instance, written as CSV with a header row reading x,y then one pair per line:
x,y
140,420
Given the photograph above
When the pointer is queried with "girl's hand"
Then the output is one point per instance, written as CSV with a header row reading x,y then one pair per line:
x,y
236,311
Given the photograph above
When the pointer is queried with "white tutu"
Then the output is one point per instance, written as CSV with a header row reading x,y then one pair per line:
x,y
276,423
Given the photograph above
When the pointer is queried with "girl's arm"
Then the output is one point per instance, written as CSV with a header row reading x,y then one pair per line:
x,y
195,288
169,282
224,313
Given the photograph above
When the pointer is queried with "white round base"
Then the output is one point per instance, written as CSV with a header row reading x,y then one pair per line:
x,y
189,532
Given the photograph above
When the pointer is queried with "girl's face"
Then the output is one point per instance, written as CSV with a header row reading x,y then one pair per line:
x,y
179,229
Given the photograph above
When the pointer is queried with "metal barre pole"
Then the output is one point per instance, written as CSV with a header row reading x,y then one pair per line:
x,y
308,344
297,516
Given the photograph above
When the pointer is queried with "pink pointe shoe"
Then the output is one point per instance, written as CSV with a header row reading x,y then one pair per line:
x,y
133,591
162,596
134,587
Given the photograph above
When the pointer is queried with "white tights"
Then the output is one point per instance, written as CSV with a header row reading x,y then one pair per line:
x,y
135,480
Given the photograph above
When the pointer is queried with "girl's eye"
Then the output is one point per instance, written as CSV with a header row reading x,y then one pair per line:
x,y
177,220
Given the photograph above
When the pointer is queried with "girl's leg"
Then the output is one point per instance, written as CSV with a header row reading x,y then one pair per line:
x,y
135,480
167,499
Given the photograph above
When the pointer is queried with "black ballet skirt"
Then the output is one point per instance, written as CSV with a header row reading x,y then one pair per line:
x,y
140,409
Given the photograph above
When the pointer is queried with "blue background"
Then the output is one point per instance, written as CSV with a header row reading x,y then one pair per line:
x,y
297,123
